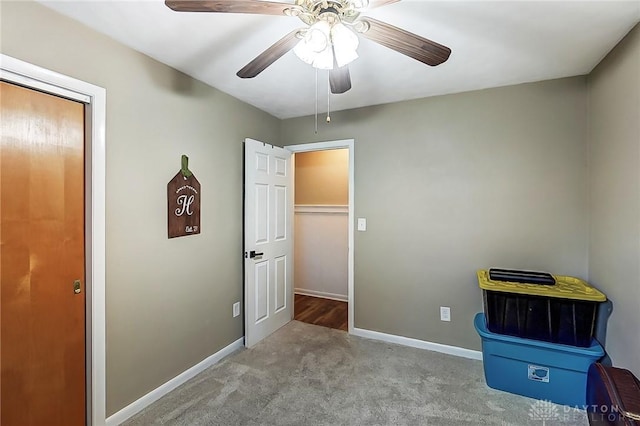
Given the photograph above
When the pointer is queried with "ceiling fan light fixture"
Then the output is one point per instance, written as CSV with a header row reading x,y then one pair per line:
x,y
322,40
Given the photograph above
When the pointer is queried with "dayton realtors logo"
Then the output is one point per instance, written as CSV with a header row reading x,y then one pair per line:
x,y
552,414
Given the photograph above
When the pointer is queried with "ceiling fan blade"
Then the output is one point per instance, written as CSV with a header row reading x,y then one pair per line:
x,y
339,79
379,3
229,6
412,45
269,56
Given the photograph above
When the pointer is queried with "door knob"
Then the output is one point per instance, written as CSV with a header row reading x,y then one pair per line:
x,y
77,287
253,254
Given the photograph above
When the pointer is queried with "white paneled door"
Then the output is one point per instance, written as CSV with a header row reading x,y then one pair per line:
x,y
268,242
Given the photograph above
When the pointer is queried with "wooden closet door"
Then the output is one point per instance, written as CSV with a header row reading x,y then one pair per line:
x,y
42,254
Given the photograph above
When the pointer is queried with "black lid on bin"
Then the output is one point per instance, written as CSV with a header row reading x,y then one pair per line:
x,y
519,276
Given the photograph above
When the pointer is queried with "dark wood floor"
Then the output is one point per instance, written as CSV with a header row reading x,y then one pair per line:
x,y
319,311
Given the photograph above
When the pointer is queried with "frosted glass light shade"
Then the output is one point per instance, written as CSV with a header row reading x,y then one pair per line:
x,y
317,38
345,43
324,60
303,52
315,46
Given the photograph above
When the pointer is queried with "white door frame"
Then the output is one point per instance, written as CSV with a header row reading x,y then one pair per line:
x,y
94,97
350,145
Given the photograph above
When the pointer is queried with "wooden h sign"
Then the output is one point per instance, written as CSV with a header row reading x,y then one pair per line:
x,y
183,197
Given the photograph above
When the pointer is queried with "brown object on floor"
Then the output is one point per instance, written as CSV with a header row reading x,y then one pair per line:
x,y
613,396
319,311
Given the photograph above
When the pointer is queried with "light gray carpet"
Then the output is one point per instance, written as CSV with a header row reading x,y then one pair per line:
x,y
310,375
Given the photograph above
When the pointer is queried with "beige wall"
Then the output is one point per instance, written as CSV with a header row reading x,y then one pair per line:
x,y
168,301
614,165
455,183
322,177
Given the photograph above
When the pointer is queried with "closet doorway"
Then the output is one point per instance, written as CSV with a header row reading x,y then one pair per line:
x,y
323,234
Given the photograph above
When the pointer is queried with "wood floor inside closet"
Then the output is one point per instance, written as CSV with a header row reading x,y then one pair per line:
x,y
319,311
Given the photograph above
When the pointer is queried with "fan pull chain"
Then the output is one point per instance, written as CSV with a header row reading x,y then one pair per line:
x,y
316,100
328,96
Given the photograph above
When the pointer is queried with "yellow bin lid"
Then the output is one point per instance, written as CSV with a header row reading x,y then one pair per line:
x,y
565,288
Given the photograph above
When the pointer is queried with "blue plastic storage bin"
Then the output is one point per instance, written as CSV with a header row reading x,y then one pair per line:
x,y
537,369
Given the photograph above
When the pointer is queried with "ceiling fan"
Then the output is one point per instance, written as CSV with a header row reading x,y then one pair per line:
x,y
330,39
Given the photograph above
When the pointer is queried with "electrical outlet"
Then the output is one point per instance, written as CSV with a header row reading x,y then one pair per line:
x,y
445,313
236,309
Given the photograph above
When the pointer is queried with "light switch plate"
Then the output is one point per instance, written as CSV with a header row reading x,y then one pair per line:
x,y
445,313
362,224
236,309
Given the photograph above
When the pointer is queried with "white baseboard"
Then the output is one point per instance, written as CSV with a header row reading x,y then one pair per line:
x,y
322,294
148,399
420,344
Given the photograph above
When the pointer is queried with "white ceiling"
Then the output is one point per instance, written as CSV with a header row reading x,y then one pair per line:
x,y
493,44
